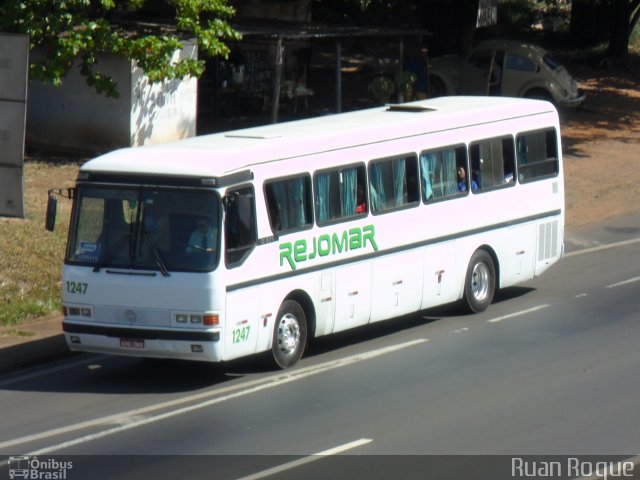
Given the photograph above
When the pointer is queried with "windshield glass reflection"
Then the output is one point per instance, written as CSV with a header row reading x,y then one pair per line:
x,y
164,230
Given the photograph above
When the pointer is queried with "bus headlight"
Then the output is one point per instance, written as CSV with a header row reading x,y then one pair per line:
x,y
206,319
77,311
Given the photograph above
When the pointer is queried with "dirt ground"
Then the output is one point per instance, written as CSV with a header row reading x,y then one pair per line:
x,y
601,144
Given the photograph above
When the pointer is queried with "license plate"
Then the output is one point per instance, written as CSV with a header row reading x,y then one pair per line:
x,y
131,343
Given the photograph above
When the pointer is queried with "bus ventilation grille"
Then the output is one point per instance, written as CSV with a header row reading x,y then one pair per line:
x,y
548,241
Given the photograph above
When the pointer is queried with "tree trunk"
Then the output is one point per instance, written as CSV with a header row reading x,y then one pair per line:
x,y
619,29
453,24
469,17
589,23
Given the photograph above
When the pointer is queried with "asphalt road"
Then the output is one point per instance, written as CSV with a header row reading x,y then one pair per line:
x,y
550,372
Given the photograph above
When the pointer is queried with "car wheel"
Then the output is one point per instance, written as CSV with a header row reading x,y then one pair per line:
x,y
538,94
436,87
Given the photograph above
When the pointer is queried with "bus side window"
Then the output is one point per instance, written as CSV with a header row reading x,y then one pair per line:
x,y
440,173
393,183
340,194
240,225
289,203
537,155
492,162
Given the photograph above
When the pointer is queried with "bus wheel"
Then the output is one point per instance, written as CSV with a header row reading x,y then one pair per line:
x,y
289,334
480,282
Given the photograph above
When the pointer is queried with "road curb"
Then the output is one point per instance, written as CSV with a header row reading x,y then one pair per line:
x,y
28,354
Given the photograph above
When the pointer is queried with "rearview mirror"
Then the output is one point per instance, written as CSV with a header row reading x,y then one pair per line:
x,y
230,199
52,207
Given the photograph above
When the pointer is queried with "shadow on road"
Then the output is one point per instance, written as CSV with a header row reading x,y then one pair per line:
x,y
122,375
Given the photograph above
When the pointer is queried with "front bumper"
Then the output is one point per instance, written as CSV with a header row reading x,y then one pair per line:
x,y
572,102
144,342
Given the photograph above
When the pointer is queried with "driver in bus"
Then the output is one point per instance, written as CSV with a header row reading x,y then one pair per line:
x,y
203,238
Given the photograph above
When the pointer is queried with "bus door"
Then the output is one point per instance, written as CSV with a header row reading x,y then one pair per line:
x,y
242,314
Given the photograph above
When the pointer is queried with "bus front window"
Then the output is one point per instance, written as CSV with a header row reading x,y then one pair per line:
x,y
165,230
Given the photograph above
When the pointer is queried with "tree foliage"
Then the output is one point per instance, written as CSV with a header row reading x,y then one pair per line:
x,y
75,32
452,22
612,21
624,17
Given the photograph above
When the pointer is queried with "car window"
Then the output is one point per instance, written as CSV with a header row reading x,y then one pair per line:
x,y
481,59
551,62
520,63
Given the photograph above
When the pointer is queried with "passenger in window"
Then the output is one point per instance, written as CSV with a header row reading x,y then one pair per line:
x,y
361,206
276,226
508,177
462,181
203,238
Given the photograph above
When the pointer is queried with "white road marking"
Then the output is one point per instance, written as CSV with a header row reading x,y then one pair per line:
x,y
139,417
518,314
311,458
581,242
599,248
624,282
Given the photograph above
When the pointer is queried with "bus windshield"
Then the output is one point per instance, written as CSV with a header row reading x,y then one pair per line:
x,y
145,229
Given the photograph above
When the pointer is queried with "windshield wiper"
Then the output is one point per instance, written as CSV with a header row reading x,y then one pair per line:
x,y
156,253
112,251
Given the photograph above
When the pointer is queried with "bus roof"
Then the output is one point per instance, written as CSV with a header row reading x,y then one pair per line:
x,y
225,153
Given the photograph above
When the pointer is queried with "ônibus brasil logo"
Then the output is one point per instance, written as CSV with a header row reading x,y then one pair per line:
x,y
33,468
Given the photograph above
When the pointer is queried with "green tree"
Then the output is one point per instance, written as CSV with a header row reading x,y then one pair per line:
x,y
623,18
72,32
610,20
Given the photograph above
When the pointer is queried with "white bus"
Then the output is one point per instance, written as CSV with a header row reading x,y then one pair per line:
x,y
256,240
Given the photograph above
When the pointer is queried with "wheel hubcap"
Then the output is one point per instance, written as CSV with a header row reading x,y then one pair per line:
x,y
288,334
480,281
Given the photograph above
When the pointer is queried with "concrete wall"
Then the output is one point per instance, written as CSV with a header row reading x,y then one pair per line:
x,y
14,60
74,117
163,112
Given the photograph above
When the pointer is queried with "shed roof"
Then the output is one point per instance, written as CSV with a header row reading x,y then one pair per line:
x,y
289,30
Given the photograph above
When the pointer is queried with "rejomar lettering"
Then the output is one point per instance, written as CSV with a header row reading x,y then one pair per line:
x,y
326,244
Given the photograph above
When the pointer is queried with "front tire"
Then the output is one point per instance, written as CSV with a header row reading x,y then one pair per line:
x,y
289,334
480,282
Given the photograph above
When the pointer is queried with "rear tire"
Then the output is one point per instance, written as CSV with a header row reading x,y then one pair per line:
x,y
289,334
480,282
436,87
538,94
